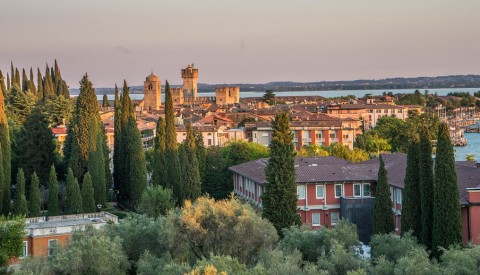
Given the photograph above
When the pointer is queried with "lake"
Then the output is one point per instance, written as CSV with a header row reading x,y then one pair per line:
x,y
473,147
357,93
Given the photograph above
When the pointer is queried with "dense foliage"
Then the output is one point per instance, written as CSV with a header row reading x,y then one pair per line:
x,y
382,213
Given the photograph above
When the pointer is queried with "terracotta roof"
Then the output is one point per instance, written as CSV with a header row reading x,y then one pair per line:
x,y
59,130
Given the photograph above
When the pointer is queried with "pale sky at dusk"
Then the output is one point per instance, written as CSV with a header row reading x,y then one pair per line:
x,y
242,41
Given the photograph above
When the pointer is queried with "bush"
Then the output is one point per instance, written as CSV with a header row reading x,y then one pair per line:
x,y
392,246
156,201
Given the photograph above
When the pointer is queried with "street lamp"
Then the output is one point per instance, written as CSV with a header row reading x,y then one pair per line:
x,y
99,206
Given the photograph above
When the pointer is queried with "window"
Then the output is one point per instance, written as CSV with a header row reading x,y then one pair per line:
x,y
333,218
316,219
318,135
333,135
385,111
52,244
379,111
356,190
25,249
320,191
391,194
345,136
399,111
366,190
338,190
399,196
301,192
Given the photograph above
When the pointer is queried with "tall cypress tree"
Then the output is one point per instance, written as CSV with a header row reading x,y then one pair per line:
x,y
40,94
34,204
9,84
159,161
73,198
61,87
12,74
52,193
105,102
20,206
5,160
31,83
201,155
447,220
411,210
88,200
382,213
106,160
24,80
3,88
17,80
280,196
118,147
131,153
426,186
48,89
174,178
192,181
96,168
83,130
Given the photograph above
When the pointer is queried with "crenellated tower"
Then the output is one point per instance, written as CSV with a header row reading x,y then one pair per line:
x,y
190,78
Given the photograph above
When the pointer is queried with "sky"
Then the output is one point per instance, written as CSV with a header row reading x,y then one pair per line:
x,y
241,41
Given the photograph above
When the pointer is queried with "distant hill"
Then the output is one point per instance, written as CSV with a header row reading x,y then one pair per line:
x,y
451,81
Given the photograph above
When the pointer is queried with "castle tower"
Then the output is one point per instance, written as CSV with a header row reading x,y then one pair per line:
x,y
227,95
190,78
152,88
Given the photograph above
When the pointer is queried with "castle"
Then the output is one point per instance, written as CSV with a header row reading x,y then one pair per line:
x,y
188,94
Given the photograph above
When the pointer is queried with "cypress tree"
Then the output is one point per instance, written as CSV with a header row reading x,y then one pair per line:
x,y
12,71
106,160
5,160
24,80
159,161
447,220
2,83
280,196
48,89
426,187
36,133
20,206
52,193
174,178
73,198
17,80
83,130
96,168
192,181
201,155
9,84
88,200
118,147
411,210
34,204
383,222
105,102
31,83
131,154
60,86
40,93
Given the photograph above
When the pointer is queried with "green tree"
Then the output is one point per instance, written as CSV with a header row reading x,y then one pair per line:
x,y
192,181
382,213
105,102
426,186
447,220
159,161
280,196
24,81
31,83
34,204
118,147
470,158
53,193
36,146
20,104
5,160
206,226
61,87
11,239
156,201
20,207
173,171
411,211
91,252
9,84
269,96
40,93
96,168
88,196
48,89
73,198
3,88
201,151
83,130
216,181
17,78
393,247
57,110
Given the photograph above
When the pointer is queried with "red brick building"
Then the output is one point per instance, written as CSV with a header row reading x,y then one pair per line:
x,y
330,189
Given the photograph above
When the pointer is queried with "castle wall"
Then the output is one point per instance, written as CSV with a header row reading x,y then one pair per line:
x,y
177,96
227,95
152,88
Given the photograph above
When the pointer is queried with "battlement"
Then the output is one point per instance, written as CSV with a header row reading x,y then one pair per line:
x,y
227,95
190,73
